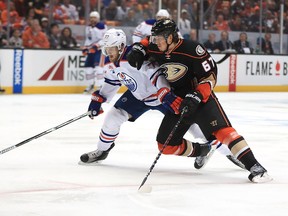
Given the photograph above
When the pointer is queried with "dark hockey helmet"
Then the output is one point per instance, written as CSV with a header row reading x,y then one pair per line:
x,y
165,27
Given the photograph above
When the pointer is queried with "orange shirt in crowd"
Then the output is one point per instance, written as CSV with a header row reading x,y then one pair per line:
x,y
14,17
34,40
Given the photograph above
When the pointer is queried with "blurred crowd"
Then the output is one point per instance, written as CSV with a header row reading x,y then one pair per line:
x,y
30,19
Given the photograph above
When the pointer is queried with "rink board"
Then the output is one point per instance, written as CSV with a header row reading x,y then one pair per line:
x,y
62,71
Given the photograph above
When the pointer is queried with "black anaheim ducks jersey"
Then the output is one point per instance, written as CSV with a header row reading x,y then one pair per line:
x,y
186,66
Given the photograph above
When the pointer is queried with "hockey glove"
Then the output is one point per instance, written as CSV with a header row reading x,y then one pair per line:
x,y
191,101
93,49
136,55
85,51
169,100
95,104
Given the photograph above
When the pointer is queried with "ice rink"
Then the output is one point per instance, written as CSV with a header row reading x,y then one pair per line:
x,y
43,177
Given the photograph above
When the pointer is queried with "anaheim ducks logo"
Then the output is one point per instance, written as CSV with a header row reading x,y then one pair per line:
x,y
174,71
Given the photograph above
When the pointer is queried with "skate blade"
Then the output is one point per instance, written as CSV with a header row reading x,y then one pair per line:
x,y
95,163
262,179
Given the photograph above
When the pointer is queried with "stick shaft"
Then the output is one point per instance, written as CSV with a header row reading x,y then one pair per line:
x,y
44,133
164,145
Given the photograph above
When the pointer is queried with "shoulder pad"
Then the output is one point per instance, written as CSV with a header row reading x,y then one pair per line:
x,y
100,25
150,21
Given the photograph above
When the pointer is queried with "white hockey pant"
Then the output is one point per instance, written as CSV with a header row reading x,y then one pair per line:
x,y
90,75
111,127
99,76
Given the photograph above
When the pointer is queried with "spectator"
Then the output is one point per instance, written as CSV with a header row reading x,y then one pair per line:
x,y
2,5
191,7
59,14
211,44
67,41
15,19
39,8
271,23
193,35
16,40
53,36
149,10
45,25
236,24
242,45
266,44
253,21
237,7
184,24
33,37
111,11
130,20
221,24
3,37
224,43
122,11
71,10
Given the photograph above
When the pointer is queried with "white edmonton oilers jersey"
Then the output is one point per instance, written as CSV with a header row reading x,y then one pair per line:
x,y
94,34
143,30
138,82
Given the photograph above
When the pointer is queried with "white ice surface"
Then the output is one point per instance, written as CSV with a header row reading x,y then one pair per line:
x,y
43,178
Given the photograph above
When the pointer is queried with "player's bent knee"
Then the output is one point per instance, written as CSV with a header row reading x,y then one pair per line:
x,y
115,118
226,135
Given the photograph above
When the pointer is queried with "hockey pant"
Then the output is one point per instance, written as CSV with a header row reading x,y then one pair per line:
x,y
118,114
94,76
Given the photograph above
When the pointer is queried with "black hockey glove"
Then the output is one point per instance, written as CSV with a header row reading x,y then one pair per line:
x,y
95,104
191,101
136,55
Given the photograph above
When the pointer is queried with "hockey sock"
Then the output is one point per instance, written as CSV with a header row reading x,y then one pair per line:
x,y
242,152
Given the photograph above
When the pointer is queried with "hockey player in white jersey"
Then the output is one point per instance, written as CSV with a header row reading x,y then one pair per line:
x,y
92,49
144,28
141,96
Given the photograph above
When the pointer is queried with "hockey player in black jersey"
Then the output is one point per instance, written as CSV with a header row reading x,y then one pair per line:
x,y
192,74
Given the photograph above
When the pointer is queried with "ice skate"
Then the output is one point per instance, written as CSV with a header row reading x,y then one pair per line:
x,y
201,161
236,161
95,156
259,174
89,89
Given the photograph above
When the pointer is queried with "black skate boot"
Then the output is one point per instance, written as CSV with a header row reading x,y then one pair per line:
x,y
201,161
96,155
259,174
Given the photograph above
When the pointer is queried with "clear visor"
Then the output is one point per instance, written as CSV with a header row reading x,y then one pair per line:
x,y
110,50
157,39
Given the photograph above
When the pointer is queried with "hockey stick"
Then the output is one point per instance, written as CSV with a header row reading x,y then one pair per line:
x,y
227,55
164,146
44,132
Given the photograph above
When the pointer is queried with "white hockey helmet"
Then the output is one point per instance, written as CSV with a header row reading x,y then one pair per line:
x,y
114,37
162,13
94,14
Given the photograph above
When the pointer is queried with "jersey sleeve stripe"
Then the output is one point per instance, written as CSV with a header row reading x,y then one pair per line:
x,y
113,82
